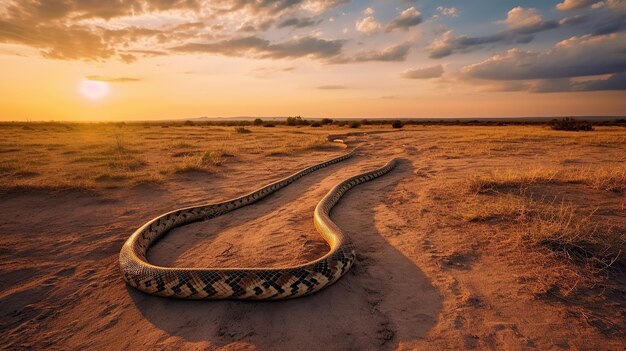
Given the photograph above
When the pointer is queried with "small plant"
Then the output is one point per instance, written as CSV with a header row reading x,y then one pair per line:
x,y
212,158
242,130
570,124
397,124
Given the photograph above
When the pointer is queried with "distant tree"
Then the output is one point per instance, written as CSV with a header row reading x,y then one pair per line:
x,y
397,124
268,125
366,122
316,124
258,122
326,121
355,124
297,121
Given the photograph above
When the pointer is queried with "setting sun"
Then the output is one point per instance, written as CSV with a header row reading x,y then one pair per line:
x,y
94,90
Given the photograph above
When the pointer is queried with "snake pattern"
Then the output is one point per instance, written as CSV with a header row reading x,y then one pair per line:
x,y
244,283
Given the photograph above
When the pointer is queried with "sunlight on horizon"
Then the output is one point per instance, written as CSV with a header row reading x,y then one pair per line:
x,y
94,90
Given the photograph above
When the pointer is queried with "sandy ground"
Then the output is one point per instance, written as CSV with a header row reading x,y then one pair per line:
x,y
425,279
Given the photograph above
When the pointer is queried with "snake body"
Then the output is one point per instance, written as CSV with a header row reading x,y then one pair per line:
x,y
244,283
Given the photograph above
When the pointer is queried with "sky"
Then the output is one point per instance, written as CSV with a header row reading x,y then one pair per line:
x,y
92,60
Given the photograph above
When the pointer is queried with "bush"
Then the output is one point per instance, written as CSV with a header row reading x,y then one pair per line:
x,y
316,124
355,124
242,130
258,122
396,124
268,125
570,124
326,121
366,122
297,121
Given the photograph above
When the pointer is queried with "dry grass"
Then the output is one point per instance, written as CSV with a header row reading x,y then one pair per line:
x,y
606,178
563,228
59,155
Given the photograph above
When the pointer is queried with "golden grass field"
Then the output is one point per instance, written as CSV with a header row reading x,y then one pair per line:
x,y
508,237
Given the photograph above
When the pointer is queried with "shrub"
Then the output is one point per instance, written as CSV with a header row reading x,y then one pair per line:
x,y
570,124
242,130
258,122
189,123
268,125
297,121
355,124
316,124
396,124
326,121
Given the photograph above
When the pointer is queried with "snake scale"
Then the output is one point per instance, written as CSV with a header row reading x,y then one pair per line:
x,y
244,283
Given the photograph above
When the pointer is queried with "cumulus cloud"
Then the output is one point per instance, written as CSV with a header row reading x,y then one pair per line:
x,y
574,57
448,11
99,30
423,73
253,46
407,19
569,5
368,24
522,24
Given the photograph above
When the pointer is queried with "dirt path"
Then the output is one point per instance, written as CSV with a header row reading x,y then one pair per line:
x,y
425,279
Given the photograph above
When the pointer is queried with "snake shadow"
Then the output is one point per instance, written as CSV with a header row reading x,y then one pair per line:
x,y
384,301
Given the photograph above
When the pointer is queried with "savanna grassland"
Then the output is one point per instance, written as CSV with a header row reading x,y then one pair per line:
x,y
494,237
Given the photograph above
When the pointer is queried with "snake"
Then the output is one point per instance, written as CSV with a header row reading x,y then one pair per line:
x,y
254,283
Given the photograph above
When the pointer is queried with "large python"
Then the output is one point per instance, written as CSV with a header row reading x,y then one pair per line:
x,y
244,283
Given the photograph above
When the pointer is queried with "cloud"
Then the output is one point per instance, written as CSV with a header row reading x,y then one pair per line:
x,y
98,30
423,73
393,53
616,81
522,24
261,48
574,57
297,22
448,11
613,82
573,21
407,19
113,79
367,25
569,5
331,87
270,72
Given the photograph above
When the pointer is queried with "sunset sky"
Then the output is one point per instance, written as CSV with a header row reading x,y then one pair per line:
x,y
89,60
